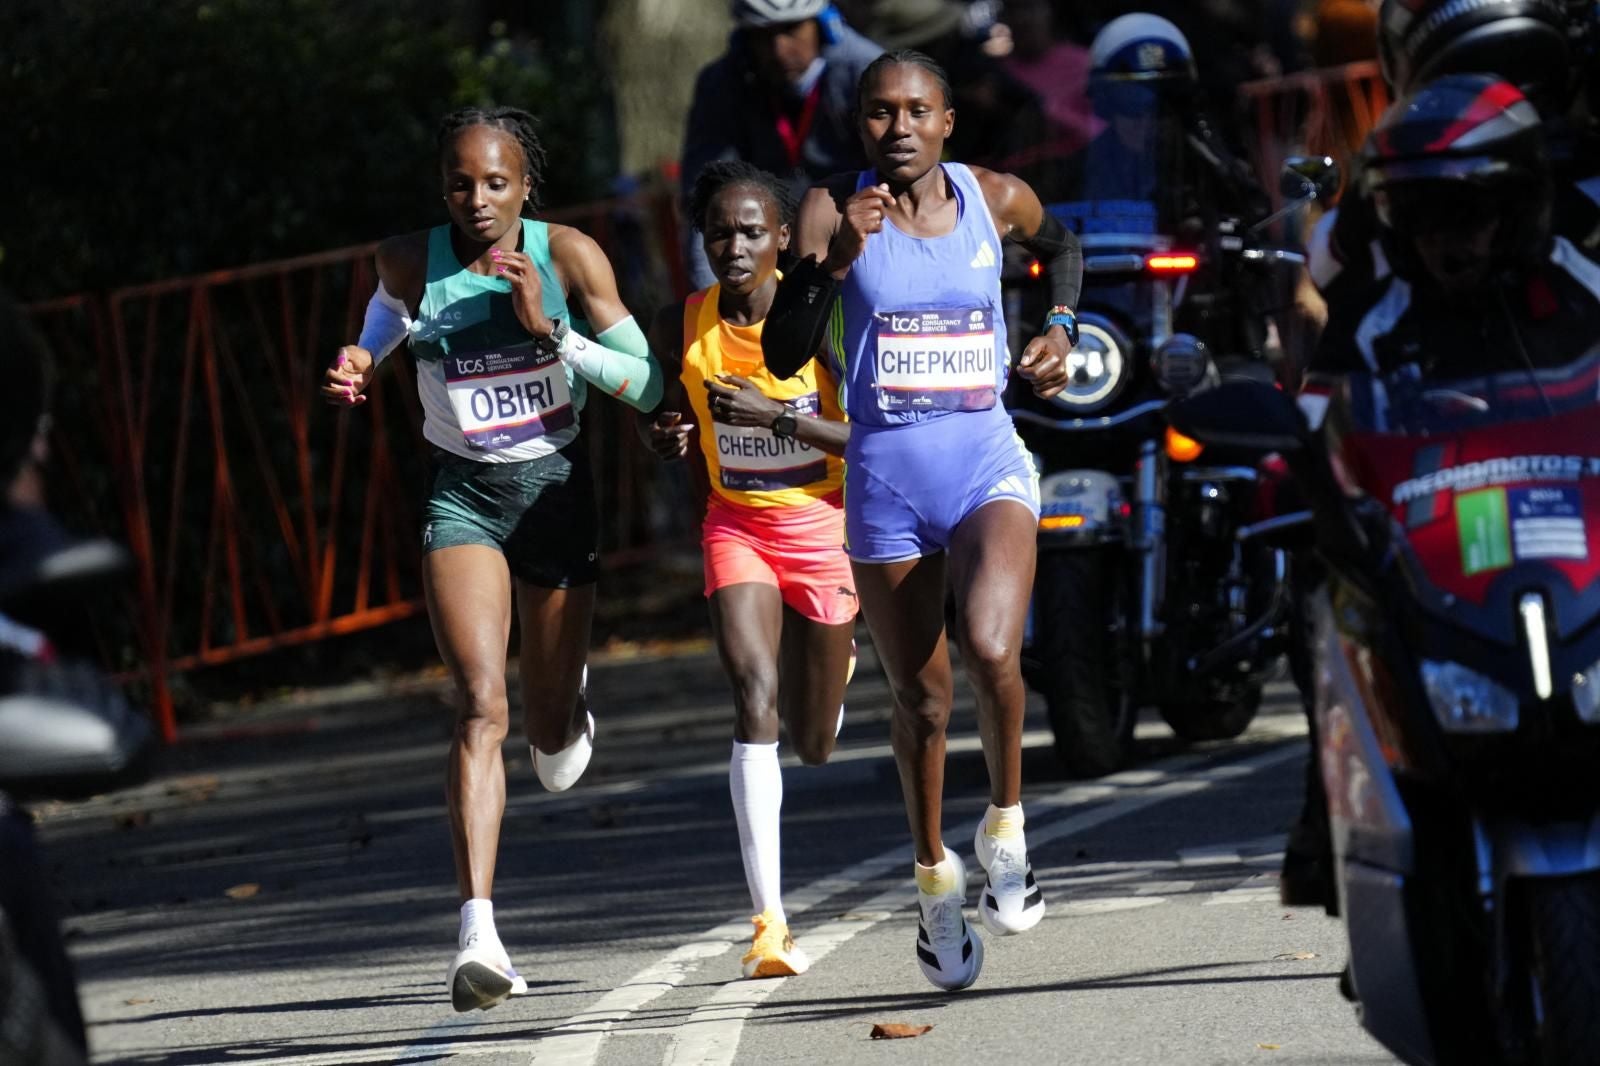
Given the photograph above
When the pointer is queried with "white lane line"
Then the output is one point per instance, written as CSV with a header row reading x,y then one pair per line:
x,y
1257,888
576,1041
710,1036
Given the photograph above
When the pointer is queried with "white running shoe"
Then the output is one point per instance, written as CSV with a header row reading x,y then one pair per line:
x,y
560,771
481,978
1011,901
949,952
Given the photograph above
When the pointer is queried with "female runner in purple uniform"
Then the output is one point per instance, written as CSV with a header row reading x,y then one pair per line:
x,y
899,288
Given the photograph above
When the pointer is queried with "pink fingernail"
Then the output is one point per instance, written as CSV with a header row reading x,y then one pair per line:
x,y
341,359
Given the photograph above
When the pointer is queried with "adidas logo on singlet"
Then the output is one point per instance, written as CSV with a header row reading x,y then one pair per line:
x,y
984,258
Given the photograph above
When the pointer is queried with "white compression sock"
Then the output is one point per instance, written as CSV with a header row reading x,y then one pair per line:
x,y
756,782
477,927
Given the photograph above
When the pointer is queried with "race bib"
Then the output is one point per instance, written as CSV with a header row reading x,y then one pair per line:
x,y
753,459
936,360
504,396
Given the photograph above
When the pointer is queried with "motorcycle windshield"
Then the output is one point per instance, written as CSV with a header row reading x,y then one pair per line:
x,y
1125,179
1492,484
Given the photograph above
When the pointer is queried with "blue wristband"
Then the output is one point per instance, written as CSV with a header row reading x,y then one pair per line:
x,y
1067,319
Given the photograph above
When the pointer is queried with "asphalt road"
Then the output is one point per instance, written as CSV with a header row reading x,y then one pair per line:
x,y
283,895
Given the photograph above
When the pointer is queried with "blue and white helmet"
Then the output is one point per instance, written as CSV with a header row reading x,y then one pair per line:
x,y
747,13
1141,47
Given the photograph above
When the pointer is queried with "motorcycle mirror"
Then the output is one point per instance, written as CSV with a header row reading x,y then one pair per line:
x,y
1241,414
1308,177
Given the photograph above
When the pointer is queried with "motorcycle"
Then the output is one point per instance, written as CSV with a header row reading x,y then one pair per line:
x,y
1152,585
65,732
1457,648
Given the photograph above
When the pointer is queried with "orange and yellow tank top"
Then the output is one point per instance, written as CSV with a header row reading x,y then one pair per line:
x,y
749,465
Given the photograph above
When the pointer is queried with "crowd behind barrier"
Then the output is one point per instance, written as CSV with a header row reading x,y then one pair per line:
x,y
189,428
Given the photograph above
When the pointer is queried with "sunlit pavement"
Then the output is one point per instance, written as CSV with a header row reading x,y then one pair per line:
x,y
287,897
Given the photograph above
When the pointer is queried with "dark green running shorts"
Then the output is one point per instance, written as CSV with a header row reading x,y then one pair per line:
x,y
540,514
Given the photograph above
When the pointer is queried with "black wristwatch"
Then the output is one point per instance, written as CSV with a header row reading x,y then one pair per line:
x,y
784,425
557,334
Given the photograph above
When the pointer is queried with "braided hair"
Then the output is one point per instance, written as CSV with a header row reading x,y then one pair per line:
x,y
513,120
908,57
714,177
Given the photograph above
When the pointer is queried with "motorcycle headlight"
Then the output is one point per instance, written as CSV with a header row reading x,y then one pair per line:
x,y
1182,364
1096,370
1464,701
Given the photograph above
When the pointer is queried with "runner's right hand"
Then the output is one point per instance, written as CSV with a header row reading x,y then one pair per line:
x,y
669,435
863,216
346,381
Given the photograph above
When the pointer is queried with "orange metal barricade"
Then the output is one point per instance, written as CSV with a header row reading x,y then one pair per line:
x,y
189,428
1320,112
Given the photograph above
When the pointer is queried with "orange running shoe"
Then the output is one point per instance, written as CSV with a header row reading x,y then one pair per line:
x,y
773,952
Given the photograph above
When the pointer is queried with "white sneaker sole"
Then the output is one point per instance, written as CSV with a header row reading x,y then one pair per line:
x,y
476,982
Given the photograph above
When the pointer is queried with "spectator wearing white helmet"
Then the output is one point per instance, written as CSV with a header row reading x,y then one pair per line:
x,y
781,97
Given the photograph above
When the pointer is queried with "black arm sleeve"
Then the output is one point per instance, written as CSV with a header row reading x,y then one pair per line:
x,y
1058,247
798,317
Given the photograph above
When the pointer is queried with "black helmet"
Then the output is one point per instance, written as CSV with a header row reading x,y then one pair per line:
x,y
1462,148
1526,42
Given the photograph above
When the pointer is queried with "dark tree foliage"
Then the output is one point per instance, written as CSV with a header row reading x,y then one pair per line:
x,y
146,140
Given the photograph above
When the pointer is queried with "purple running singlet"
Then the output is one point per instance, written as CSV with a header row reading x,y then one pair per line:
x,y
917,338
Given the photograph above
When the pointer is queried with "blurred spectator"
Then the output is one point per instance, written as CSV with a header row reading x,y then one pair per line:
x,y
782,97
1057,70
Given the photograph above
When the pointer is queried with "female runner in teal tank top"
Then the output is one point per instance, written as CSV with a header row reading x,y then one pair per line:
x,y
488,305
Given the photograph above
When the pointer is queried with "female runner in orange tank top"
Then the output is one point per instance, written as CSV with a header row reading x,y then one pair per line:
x,y
778,582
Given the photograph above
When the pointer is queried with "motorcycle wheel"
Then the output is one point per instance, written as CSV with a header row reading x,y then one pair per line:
x,y
1213,719
1563,925
1092,713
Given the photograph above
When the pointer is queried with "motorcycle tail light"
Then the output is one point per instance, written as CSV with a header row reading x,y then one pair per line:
x,y
1181,449
1171,263
1464,701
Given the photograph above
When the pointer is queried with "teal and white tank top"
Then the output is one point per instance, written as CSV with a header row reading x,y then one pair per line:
x,y
488,392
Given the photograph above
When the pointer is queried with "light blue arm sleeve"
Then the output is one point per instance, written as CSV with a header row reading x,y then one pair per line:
x,y
619,362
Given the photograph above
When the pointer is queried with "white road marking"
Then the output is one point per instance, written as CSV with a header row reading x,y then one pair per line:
x,y
712,1032
710,1035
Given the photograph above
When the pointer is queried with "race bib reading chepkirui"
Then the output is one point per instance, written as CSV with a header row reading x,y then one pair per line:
x,y
936,359
504,396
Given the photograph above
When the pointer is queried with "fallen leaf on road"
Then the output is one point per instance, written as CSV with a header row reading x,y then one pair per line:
x,y
137,1001
897,1030
1301,955
244,891
1268,1047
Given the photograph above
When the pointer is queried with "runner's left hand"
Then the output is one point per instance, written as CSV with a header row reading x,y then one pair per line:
x,y
527,294
1044,363
736,401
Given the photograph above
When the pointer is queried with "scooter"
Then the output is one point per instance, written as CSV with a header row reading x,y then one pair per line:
x,y
1457,691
